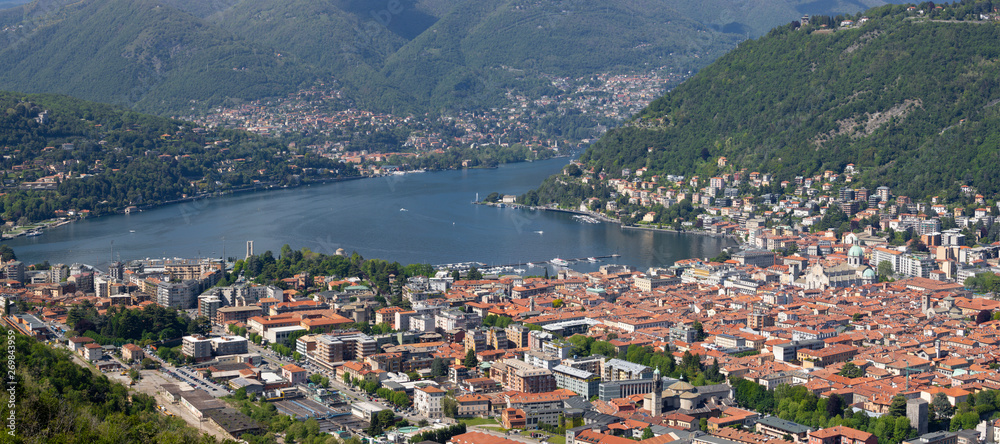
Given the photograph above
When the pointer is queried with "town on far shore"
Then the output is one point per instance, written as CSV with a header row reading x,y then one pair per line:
x,y
846,316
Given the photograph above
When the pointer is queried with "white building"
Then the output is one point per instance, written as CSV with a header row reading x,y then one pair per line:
x,y
427,400
197,347
278,335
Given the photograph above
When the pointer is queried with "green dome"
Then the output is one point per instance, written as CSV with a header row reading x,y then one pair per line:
x,y
855,251
868,274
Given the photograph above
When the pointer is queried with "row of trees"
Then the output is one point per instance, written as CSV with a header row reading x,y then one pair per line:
x,y
120,325
440,435
265,268
398,399
492,320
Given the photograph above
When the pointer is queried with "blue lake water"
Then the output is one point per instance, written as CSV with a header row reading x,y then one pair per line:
x,y
439,225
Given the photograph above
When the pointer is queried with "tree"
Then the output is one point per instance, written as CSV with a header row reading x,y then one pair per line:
x,y
449,406
713,373
200,325
7,253
901,429
603,348
470,361
849,370
557,303
474,274
149,363
383,419
834,406
898,406
700,329
885,269
983,316
647,433
942,407
437,368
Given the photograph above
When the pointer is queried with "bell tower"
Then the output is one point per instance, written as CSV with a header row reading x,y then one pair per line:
x,y
656,400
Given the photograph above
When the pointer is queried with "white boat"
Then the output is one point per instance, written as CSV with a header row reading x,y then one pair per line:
x,y
559,262
539,232
591,259
403,209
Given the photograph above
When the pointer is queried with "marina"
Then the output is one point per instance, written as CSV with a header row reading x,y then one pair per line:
x,y
514,267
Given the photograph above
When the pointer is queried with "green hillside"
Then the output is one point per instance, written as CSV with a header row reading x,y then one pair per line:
x,y
141,53
337,43
60,401
895,96
100,158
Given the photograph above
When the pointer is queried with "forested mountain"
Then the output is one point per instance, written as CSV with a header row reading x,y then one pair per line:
x,y
165,56
61,153
138,52
911,99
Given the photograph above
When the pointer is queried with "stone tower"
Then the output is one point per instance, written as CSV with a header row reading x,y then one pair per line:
x,y
916,412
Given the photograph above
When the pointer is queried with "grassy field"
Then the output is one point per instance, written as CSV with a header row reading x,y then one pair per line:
x,y
496,429
479,421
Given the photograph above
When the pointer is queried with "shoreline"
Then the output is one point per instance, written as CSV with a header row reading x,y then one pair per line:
x,y
671,230
605,218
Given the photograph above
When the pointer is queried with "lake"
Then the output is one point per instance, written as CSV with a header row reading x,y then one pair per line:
x,y
414,218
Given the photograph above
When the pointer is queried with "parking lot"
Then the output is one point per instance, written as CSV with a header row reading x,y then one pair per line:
x,y
195,380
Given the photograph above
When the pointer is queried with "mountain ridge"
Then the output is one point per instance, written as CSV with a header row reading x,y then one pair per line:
x,y
413,56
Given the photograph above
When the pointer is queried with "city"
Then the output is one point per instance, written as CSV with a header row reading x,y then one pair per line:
x,y
772,223
866,322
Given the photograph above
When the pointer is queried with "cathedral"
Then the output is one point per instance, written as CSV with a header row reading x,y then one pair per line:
x,y
852,273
